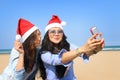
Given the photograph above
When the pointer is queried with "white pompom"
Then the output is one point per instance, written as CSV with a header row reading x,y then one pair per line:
x,y
18,37
63,23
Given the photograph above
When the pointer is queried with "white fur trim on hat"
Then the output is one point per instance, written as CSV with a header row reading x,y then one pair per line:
x,y
53,25
63,23
28,33
18,37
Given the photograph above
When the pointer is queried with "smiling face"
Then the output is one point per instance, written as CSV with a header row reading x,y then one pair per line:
x,y
55,35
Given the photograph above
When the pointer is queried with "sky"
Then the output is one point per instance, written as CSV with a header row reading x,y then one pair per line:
x,y
80,16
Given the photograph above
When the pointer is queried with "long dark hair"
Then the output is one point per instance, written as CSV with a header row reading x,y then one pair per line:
x,y
30,52
47,45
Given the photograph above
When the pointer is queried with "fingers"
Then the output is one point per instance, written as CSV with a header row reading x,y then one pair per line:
x,y
102,43
18,46
92,37
94,44
95,35
100,34
99,45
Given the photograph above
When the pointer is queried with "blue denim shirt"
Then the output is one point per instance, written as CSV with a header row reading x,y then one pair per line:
x,y
50,60
9,71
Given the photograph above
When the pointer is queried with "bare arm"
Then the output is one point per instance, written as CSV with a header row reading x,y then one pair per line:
x,y
90,46
70,55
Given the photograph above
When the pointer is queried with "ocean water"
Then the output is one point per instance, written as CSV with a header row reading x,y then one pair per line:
x,y
5,51
106,48
112,48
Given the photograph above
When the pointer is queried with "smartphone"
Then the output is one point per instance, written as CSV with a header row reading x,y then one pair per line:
x,y
94,30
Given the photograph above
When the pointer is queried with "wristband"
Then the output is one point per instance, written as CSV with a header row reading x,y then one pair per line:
x,y
77,51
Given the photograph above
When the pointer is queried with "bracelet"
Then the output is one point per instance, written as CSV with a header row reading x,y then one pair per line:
x,y
77,51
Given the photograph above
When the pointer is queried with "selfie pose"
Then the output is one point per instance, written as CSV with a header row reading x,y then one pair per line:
x,y
55,57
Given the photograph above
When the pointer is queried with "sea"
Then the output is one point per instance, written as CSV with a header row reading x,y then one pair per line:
x,y
5,51
112,48
106,48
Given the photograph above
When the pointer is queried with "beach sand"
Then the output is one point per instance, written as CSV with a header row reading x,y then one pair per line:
x,y
102,66
4,59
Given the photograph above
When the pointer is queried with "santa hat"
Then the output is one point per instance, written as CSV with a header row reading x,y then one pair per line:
x,y
55,22
24,29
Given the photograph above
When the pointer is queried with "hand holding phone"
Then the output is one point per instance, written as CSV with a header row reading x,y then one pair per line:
x,y
94,30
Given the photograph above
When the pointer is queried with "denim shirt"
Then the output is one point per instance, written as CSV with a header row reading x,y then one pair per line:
x,y
9,71
50,60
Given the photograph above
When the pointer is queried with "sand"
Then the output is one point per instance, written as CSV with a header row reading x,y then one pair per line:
x,y
4,59
102,66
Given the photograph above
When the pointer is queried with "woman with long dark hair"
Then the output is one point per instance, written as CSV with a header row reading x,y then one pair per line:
x,y
55,57
60,69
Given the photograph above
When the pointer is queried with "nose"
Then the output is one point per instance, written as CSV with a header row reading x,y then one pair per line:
x,y
56,33
40,37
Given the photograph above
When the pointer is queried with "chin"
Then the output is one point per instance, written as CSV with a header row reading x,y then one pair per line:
x,y
56,42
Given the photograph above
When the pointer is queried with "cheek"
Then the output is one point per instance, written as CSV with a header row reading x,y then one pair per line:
x,y
37,42
50,37
60,39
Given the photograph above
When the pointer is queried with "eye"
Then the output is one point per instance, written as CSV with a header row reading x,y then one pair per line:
x,y
60,31
52,31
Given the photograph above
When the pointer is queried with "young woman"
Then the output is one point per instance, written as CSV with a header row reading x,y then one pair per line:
x,y
27,64
23,56
55,52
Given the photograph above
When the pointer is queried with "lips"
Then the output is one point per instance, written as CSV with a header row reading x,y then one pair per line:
x,y
56,38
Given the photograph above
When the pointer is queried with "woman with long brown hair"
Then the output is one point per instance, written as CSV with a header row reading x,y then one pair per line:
x,y
22,63
29,35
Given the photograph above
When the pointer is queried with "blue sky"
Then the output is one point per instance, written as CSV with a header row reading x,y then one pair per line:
x,y
80,16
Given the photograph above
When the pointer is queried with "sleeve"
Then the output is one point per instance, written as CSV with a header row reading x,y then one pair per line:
x,y
20,74
14,57
53,59
8,72
85,58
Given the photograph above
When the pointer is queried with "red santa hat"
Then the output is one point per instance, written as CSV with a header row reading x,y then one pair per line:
x,y
24,29
55,22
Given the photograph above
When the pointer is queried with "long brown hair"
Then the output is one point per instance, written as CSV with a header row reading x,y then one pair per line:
x,y
30,52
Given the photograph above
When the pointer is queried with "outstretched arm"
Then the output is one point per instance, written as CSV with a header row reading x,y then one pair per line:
x,y
91,47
